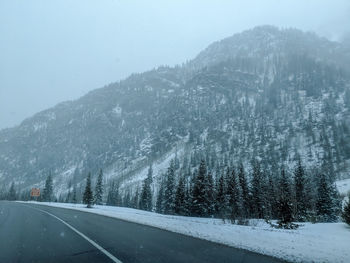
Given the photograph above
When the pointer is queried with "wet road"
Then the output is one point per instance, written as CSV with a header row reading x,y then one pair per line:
x,y
36,233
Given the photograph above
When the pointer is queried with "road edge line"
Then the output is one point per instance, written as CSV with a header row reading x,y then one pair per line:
x,y
104,251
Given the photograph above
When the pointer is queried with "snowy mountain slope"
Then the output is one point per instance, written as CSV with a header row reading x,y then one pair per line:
x,y
265,93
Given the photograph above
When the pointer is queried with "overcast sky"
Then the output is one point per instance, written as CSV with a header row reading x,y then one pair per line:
x,y
57,50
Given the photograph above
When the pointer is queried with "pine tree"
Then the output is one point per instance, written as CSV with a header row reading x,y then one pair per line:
x,y
284,205
180,202
69,195
233,197
346,212
188,199
111,195
169,191
127,199
210,195
245,191
324,202
160,198
12,195
74,195
256,191
300,194
135,200
99,189
146,193
220,202
88,195
199,192
271,197
48,190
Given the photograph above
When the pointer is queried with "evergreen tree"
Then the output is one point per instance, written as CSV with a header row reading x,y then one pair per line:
x,y
160,198
180,202
199,192
48,190
88,195
67,199
233,196
300,194
324,202
245,191
74,195
112,194
169,191
346,212
284,205
188,200
146,193
271,197
220,202
210,194
12,195
127,199
69,195
256,191
99,189
135,200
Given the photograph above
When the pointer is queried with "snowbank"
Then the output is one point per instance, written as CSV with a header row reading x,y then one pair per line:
x,y
326,242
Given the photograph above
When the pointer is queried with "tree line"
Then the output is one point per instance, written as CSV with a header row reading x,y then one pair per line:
x,y
232,194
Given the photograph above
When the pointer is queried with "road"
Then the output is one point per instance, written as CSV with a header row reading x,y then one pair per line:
x,y
35,233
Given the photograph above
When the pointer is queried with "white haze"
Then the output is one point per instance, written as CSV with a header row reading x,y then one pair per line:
x,y
57,50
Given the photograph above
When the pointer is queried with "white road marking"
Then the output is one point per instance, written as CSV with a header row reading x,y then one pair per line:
x,y
83,236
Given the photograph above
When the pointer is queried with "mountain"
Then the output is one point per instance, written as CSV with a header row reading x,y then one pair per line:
x,y
276,95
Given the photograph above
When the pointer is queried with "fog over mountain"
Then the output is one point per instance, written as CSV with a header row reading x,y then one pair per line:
x,y
53,51
270,94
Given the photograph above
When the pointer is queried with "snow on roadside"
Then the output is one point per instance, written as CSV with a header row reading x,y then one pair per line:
x,y
323,242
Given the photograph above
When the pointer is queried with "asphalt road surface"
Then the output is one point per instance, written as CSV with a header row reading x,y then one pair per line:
x,y
35,233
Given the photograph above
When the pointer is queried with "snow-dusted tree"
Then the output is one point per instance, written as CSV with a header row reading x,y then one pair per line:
x,y
88,195
284,204
99,189
220,202
127,199
180,195
256,191
74,194
69,195
233,196
169,191
210,194
271,197
346,211
112,194
48,190
12,195
325,203
160,198
199,192
245,191
146,192
135,199
300,193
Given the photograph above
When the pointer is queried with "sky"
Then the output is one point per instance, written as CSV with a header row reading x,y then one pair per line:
x,y
58,50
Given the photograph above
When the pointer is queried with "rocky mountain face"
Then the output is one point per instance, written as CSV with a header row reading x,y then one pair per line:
x,y
270,94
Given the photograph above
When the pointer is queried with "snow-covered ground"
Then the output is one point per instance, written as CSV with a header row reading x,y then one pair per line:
x,y
329,242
